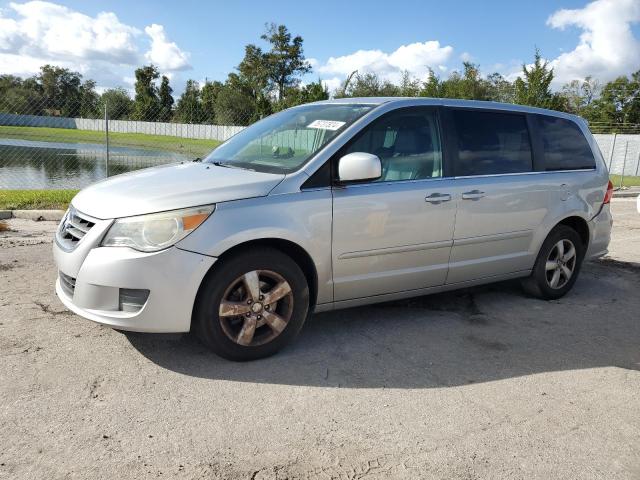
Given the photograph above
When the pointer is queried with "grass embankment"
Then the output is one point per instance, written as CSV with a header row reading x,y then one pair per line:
x,y
193,146
626,182
35,199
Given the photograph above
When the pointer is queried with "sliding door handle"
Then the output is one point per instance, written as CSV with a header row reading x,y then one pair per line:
x,y
436,198
473,195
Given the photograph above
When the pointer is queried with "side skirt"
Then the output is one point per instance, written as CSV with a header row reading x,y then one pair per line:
x,y
387,297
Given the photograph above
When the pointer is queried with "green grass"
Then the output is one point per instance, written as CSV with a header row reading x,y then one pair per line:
x,y
35,199
194,146
627,181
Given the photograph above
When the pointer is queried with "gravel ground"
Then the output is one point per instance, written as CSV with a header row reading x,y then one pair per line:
x,y
480,383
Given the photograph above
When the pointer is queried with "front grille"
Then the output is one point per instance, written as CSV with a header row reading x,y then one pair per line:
x,y
68,284
73,228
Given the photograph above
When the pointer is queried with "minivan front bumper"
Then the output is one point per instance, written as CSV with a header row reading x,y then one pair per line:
x,y
92,287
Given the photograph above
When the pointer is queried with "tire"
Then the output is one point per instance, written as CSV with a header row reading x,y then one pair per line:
x,y
232,313
541,283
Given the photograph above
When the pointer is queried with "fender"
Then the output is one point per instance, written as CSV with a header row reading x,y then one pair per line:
x,y
303,218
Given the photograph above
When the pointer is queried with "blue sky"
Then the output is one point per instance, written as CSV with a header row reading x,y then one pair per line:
x,y
206,39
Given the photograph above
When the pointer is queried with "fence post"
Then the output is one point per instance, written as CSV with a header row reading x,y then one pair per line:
x,y
106,134
624,162
613,147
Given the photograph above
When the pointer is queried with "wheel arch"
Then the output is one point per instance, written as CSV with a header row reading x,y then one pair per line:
x,y
293,250
580,225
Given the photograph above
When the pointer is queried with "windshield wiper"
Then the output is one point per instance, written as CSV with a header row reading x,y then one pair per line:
x,y
197,159
222,164
230,165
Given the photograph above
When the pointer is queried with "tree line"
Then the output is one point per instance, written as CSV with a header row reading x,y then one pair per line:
x,y
269,79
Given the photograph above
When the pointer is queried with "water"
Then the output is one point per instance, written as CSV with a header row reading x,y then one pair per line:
x,y
26,164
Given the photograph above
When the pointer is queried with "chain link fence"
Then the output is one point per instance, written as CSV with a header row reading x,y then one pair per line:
x,y
41,149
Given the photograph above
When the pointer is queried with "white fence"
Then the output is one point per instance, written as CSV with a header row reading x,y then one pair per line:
x,y
621,152
183,130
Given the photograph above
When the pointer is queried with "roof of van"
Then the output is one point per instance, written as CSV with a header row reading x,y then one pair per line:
x,y
452,102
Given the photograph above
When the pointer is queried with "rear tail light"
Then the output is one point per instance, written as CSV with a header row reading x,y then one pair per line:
x,y
609,194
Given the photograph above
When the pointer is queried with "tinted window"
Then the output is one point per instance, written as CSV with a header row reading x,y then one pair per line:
x,y
407,143
491,143
565,147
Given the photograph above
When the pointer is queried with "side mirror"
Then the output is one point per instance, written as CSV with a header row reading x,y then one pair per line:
x,y
359,166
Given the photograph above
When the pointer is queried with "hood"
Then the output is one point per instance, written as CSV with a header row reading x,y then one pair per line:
x,y
170,187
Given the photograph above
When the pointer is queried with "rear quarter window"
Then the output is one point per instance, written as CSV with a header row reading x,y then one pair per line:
x,y
564,145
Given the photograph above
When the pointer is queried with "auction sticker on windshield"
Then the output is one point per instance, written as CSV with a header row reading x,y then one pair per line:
x,y
326,124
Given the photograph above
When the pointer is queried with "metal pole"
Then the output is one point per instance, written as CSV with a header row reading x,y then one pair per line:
x,y
638,163
106,134
613,147
624,162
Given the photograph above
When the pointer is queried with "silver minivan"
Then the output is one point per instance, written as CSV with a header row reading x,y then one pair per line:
x,y
337,204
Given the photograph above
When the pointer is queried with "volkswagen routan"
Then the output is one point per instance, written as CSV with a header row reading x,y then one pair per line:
x,y
337,204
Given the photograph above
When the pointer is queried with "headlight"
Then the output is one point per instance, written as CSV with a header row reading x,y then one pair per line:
x,y
150,233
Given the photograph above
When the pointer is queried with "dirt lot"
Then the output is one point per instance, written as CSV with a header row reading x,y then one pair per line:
x,y
482,383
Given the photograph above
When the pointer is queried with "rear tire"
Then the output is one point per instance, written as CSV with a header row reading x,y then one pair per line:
x,y
251,304
557,265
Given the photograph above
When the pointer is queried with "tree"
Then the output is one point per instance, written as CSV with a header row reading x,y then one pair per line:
x,y
165,99
146,103
311,92
235,106
500,89
535,88
579,96
432,87
118,103
189,109
409,86
20,96
619,101
61,90
285,60
89,100
468,85
209,97
370,85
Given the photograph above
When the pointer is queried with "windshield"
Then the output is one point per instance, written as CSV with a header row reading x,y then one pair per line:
x,y
283,142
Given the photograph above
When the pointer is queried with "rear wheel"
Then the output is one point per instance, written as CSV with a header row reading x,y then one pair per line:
x,y
251,305
557,266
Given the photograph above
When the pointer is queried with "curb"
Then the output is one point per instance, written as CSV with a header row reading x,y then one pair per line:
x,y
35,215
626,194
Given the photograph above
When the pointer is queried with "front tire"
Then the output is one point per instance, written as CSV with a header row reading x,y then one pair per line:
x,y
252,304
557,265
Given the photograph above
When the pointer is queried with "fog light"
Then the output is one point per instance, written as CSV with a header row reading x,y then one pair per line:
x,y
132,299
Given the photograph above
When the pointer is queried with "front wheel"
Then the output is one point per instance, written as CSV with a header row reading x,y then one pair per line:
x,y
557,266
251,305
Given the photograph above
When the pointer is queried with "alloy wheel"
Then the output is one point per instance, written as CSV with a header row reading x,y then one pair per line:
x,y
256,307
561,264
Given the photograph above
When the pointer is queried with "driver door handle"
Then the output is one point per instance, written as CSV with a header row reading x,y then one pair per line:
x,y
436,198
473,195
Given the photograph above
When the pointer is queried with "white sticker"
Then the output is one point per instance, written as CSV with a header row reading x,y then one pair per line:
x,y
326,124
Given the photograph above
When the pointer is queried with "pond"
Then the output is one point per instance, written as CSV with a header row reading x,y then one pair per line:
x,y
26,164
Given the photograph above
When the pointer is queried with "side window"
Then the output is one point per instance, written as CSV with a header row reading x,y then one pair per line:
x,y
565,147
407,142
491,143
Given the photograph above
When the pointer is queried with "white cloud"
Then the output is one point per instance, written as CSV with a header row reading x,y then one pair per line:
x,y
100,47
607,46
416,58
167,55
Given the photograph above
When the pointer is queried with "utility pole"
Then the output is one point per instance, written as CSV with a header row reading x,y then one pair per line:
x,y
106,134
